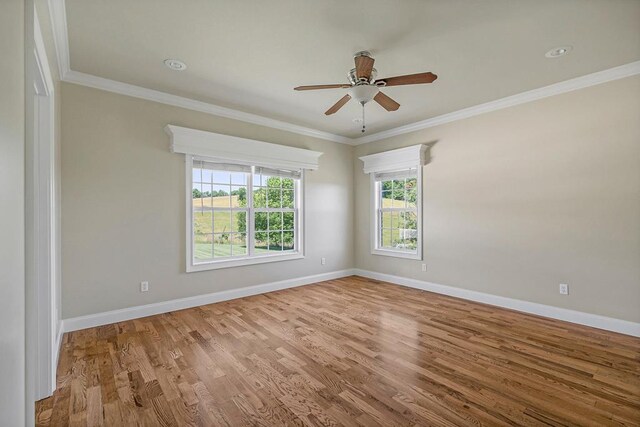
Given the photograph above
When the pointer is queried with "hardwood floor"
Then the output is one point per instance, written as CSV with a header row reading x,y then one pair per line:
x,y
352,351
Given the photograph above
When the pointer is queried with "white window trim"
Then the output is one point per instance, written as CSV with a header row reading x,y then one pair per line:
x,y
375,222
215,147
299,229
390,161
232,149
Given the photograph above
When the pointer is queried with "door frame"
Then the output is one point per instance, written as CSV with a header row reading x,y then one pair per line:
x,y
41,222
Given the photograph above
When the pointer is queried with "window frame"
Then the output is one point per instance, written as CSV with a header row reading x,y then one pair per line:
x,y
376,226
250,258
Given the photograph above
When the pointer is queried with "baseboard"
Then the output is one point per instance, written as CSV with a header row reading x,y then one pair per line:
x,y
573,316
579,317
107,317
58,345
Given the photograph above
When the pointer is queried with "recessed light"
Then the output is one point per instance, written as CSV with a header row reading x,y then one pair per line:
x,y
175,65
557,52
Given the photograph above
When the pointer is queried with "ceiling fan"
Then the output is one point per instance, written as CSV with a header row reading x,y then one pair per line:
x,y
363,86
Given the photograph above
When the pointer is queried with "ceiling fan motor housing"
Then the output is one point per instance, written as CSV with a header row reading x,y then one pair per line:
x,y
353,79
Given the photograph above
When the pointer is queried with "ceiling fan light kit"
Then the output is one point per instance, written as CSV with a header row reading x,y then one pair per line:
x,y
364,87
363,93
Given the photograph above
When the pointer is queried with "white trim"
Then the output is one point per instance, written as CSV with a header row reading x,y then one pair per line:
x,y
395,160
401,159
58,346
192,104
41,221
59,25
234,149
239,262
374,224
573,316
611,74
58,16
105,318
57,11
250,258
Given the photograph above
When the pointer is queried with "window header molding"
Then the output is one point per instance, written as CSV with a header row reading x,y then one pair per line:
x,y
228,148
394,160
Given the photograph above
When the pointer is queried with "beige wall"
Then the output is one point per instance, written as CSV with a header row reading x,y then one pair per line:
x,y
12,279
519,200
515,202
123,213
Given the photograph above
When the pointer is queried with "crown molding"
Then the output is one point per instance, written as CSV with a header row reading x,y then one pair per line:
x,y
582,82
192,104
61,39
58,17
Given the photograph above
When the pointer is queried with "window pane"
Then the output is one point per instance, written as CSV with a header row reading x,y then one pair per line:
x,y
220,196
202,249
288,221
275,221
239,244
275,241
287,183
410,220
239,221
206,191
196,173
274,198
386,238
386,219
396,220
221,245
288,199
386,200
238,196
412,197
273,181
202,222
288,240
220,177
261,221
222,221
261,242
239,178
221,214
260,198
207,175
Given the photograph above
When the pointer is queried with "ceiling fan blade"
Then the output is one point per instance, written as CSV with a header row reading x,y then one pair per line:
x,y
364,66
411,79
386,102
338,105
313,87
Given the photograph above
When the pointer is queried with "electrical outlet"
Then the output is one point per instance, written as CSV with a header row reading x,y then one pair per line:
x,y
564,289
144,286
424,267
323,261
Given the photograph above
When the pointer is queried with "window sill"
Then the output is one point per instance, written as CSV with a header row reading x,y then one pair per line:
x,y
396,254
238,262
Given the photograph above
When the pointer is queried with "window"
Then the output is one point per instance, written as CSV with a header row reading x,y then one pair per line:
x,y
397,224
240,214
396,200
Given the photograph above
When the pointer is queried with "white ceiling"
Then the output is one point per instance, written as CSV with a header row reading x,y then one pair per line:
x,y
249,54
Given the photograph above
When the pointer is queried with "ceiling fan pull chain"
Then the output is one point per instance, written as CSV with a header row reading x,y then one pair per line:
x,y
363,117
